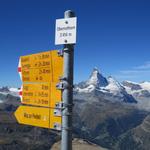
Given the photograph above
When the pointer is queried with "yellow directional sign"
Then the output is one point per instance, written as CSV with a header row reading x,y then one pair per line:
x,y
38,116
40,73
41,94
36,60
41,67
57,66
37,75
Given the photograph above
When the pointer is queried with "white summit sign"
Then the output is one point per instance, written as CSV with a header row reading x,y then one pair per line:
x,y
65,31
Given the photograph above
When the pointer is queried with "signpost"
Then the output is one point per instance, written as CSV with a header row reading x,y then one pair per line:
x,y
39,116
66,34
47,90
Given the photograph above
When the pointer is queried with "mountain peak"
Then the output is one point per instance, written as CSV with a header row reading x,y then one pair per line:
x,y
97,79
114,84
95,69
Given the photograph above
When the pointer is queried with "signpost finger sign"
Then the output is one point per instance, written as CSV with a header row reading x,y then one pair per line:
x,y
41,94
38,116
40,74
41,67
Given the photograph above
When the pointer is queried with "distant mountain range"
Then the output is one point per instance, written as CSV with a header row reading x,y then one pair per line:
x,y
110,89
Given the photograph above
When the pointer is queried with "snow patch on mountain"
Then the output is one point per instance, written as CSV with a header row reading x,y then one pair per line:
x,y
145,85
114,86
133,86
88,89
140,91
137,89
14,91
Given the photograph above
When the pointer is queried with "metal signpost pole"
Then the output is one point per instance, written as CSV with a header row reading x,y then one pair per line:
x,y
66,143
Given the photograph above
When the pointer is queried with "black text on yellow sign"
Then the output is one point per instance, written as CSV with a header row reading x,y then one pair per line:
x,y
41,67
39,116
41,94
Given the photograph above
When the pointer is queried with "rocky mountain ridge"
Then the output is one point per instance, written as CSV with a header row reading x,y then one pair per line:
x,y
111,89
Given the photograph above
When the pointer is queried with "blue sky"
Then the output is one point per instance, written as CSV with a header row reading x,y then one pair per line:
x,y
113,35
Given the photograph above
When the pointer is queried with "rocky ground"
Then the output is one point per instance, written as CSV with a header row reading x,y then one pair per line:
x,y
79,144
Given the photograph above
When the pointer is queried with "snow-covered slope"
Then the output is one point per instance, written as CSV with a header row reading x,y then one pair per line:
x,y
137,88
114,86
133,86
14,91
145,85
6,92
87,89
140,91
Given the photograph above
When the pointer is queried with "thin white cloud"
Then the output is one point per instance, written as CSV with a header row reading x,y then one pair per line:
x,y
124,76
138,72
146,65
129,72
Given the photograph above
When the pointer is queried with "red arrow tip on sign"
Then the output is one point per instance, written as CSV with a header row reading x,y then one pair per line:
x,y
20,93
19,69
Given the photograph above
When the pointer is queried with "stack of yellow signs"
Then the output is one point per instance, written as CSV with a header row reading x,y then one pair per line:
x,y
40,73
